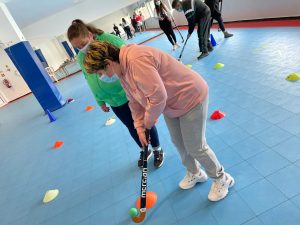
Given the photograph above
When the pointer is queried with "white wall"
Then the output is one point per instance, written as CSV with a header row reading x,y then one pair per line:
x,y
42,33
10,32
235,10
54,53
88,11
53,50
258,9
19,87
106,23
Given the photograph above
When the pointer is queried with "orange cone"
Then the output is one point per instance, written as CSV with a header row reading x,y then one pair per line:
x,y
58,144
150,202
217,115
89,108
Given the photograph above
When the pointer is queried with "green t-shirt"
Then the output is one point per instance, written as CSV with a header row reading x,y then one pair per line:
x,y
110,93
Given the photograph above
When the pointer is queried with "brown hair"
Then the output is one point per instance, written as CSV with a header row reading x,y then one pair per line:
x,y
97,54
79,28
160,10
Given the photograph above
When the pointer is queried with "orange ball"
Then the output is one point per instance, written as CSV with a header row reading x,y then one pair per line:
x,y
151,199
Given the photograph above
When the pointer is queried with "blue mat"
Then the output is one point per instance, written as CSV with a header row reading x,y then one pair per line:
x,y
96,169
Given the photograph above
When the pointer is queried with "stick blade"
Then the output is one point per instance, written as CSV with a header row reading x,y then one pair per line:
x,y
140,218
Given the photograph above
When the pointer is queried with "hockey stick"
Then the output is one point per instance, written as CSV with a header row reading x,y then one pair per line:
x,y
140,218
179,59
177,29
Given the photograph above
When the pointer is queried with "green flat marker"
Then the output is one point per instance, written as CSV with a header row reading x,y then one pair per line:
x,y
219,66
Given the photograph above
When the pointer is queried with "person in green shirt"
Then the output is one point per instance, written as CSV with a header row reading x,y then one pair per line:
x,y
108,90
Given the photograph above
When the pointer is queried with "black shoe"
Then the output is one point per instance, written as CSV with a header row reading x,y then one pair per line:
x,y
140,162
158,158
210,48
203,54
227,35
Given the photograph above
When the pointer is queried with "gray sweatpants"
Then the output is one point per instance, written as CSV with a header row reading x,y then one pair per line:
x,y
188,135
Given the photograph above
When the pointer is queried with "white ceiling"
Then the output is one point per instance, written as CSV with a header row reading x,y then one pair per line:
x,y
26,12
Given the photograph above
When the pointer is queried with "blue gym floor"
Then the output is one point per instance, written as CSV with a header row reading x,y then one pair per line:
x,y
258,142
144,36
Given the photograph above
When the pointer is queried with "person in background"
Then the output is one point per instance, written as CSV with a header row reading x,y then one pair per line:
x,y
143,21
108,90
139,21
156,83
132,27
117,31
165,23
134,24
217,15
126,27
197,12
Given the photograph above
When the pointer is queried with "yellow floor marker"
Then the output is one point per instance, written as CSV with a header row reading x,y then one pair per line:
x,y
293,77
218,66
50,196
110,121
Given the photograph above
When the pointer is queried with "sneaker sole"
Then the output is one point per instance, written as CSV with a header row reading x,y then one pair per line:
x,y
191,186
199,57
230,186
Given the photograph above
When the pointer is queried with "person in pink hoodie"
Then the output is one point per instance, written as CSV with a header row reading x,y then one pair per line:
x,y
156,83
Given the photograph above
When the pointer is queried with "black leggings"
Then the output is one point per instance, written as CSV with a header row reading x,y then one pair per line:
x,y
219,19
167,28
124,114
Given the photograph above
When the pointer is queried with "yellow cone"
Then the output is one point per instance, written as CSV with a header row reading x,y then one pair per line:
x,y
293,77
189,66
219,66
50,195
110,121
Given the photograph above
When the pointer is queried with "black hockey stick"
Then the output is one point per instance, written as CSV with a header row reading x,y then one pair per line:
x,y
177,29
140,218
179,59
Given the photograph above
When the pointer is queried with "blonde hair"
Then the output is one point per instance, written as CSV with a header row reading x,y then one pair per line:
x,y
97,55
80,29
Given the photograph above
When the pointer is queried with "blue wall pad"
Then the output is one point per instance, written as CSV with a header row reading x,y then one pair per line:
x,y
41,57
36,77
68,49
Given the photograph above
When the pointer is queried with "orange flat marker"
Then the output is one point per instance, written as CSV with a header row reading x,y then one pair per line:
x,y
89,108
150,202
58,144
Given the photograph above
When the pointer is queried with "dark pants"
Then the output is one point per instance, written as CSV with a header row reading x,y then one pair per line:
x,y
124,114
204,31
167,28
136,28
219,19
128,32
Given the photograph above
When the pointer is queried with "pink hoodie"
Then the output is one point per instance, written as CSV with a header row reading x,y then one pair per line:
x,y
156,83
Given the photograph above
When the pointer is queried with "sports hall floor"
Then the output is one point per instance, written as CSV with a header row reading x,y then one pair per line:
x,y
95,170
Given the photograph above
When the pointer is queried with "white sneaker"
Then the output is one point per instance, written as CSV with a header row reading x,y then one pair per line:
x,y
178,45
175,47
190,180
219,188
